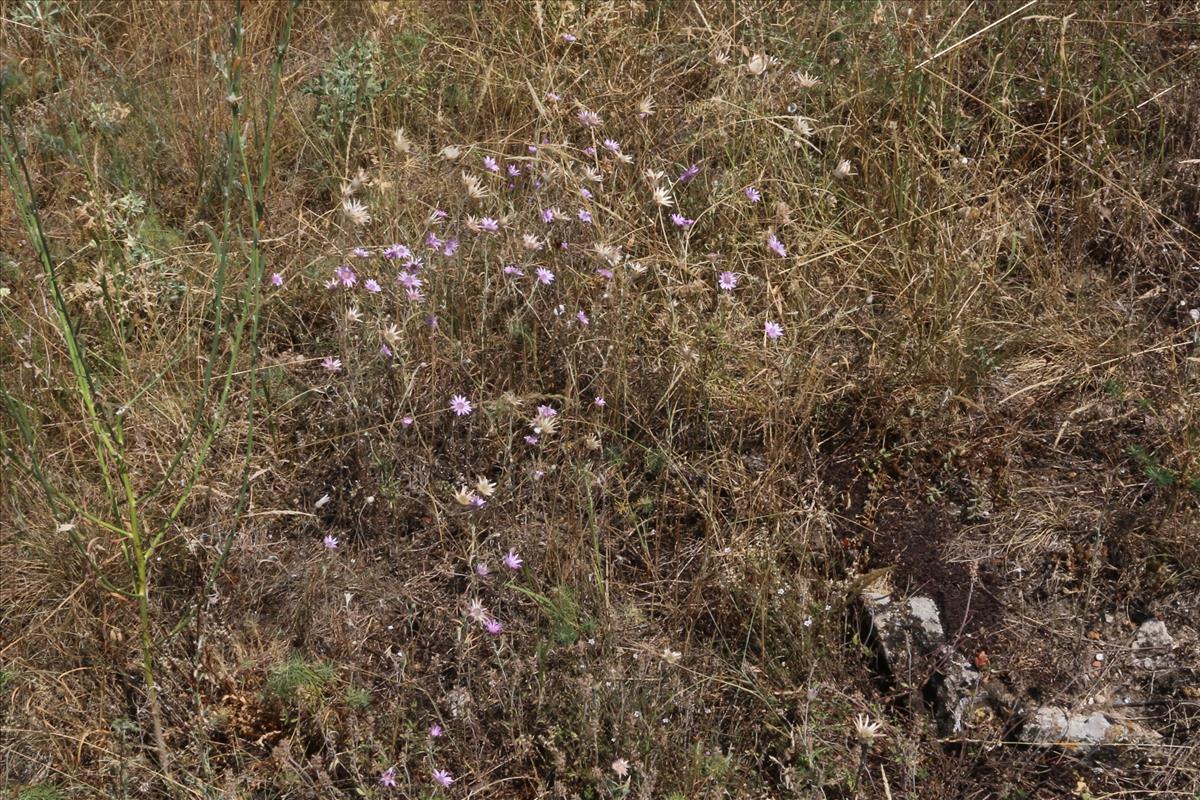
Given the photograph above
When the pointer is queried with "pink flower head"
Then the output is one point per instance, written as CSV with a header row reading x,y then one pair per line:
x,y
569,37
512,269
490,164
582,316
460,405
330,541
388,778
681,221
396,251
414,295
407,421
346,276
276,279
482,569
361,252
773,330
371,286
385,351
494,626
514,171
752,194
548,215
612,145
432,241
512,560
409,281
776,246
689,173
451,248
443,777
586,192
727,280
490,225
585,215
587,118
531,440
435,731
604,272
438,215
547,411
545,276
478,501
332,364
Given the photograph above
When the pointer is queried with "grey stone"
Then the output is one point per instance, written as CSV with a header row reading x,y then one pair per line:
x,y
1153,633
1054,725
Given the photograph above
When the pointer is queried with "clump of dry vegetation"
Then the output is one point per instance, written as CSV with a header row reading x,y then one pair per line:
x,y
404,399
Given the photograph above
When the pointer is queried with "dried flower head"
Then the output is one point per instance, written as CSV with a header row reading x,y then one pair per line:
x,y
356,212
866,730
662,197
843,170
464,496
401,141
484,486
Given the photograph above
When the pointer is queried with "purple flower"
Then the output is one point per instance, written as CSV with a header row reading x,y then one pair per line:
x,y
346,276
569,37
478,501
604,272
414,296
332,364
371,286
490,225
752,194
727,280
330,541
397,251
612,145
531,439
388,778
599,402
513,270
689,173
443,777
512,560
451,248
438,215
432,241
773,330
490,164
482,569
432,322
586,192
776,246
582,317
361,252
545,276
584,215
407,421
547,411
589,150
589,119
276,279
413,263
494,626
385,351
681,221
548,215
460,405
409,280
435,731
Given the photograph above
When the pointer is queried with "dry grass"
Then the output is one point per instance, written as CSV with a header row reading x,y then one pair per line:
x,y
988,374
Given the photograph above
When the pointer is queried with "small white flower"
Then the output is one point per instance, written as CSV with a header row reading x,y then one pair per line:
x,y
401,142
356,212
451,152
324,501
531,242
843,170
662,197
757,64
621,768
484,486
866,730
806,81
645,107
464,496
